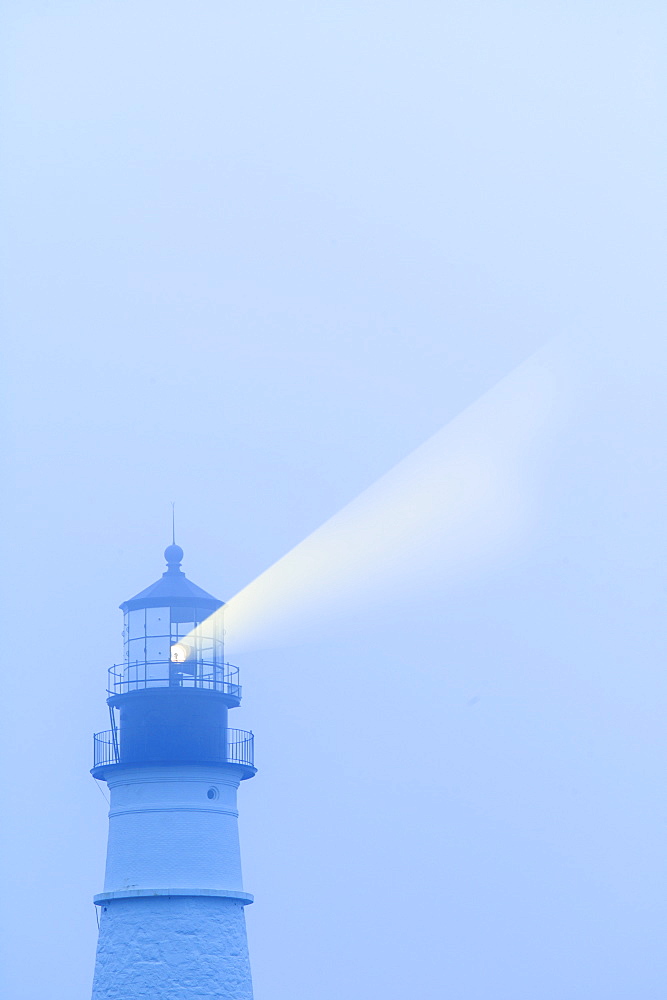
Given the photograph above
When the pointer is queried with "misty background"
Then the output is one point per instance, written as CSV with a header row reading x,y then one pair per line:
x,y
254,256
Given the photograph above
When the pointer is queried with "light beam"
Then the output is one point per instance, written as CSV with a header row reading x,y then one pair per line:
x,y
455,503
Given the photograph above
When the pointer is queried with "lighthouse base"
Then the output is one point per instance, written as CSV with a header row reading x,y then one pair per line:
x,y
172,948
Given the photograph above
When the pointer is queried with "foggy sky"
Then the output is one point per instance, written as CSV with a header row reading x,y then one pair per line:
x,y
254,256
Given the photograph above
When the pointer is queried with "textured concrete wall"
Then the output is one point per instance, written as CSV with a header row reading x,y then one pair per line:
x,y
173,827
172,948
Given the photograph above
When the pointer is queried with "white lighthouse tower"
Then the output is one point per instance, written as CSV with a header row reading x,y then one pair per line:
x,y
172,923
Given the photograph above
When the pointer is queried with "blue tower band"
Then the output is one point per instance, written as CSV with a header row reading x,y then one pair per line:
x,y
172,922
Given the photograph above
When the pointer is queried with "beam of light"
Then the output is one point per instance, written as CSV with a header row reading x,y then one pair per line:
x,y
457,502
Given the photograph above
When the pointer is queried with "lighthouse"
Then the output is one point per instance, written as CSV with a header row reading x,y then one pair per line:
x,y
171,916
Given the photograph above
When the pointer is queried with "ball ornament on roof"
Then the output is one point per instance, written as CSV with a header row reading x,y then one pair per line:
x,y
174,555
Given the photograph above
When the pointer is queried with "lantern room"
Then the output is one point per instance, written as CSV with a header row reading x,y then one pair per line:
x,y
170,696
171,636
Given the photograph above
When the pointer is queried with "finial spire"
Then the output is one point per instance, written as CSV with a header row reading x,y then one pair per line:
x,y
173,553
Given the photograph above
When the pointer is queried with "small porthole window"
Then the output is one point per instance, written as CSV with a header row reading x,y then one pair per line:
x,y
212,793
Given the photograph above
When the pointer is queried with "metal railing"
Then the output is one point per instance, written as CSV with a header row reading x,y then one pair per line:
x,y
207,676
236,746
240,747
106,748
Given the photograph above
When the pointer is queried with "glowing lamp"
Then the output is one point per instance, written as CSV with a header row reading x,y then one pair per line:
x,y
180,652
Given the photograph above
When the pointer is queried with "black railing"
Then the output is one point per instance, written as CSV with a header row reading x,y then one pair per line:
x,y
207,676
240,747
231,746
106,748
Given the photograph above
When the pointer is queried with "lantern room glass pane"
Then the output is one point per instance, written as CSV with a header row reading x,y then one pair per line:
x,y
136,650
135,624
157,672
157,621
180,629
158,647
207,649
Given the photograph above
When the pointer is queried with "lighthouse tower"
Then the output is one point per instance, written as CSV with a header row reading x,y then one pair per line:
x,y
172,923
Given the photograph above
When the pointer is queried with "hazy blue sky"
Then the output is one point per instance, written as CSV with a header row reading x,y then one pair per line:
x,y
254,255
